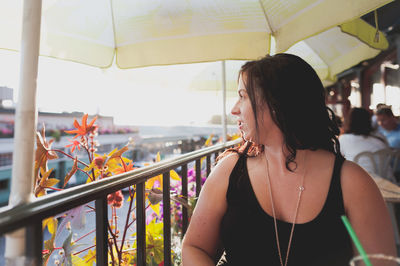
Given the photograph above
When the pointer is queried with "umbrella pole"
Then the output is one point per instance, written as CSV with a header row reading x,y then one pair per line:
x,y
25,127
224,126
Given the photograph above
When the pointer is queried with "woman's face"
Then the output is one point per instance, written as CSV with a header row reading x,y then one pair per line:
x,y
245,116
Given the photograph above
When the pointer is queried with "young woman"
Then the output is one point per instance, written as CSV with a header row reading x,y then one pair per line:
x,y
279,199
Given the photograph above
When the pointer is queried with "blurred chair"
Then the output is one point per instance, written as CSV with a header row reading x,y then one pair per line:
x,y
385,162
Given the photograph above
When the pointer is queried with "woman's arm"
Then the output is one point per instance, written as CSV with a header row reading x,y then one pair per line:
x,y
202,237
367,211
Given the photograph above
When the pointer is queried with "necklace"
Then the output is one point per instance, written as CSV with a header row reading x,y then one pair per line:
x,y
301,189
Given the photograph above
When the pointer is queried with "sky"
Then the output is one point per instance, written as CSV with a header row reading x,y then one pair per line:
x,y
162,95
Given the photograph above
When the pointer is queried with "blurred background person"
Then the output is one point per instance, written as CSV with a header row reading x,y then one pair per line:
x,y
389,126
374,120
359,137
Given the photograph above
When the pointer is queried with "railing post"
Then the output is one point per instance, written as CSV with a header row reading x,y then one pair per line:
x,y
185,218
101,231
33,243
140,225
216,156
167,218
208,162
198,177
23,178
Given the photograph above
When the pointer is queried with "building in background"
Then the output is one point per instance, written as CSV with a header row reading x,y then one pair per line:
x,y
143,141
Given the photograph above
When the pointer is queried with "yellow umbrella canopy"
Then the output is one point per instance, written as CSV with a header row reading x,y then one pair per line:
x,y
210,78
143,33
334,51
329,53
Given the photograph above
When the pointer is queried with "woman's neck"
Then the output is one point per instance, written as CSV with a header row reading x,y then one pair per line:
x,y
277,154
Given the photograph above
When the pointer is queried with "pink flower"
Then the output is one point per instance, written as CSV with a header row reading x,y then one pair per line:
x,y
115,199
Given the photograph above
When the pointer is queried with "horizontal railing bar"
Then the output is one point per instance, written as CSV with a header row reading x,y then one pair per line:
x,y
12,218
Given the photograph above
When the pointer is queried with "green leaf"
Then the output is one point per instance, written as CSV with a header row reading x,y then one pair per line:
x,y
49,245
79,261
181,200
174,175
72,172
51,224
90,257
116,154
155,196
68,249
51,182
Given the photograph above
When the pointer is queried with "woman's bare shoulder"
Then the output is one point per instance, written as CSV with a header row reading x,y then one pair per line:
x,y
354,175
366,209
223,169
357,183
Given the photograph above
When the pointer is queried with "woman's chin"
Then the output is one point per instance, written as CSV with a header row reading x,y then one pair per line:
x,y
248,137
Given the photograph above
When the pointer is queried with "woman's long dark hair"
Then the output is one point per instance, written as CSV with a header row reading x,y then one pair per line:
x,y
295,97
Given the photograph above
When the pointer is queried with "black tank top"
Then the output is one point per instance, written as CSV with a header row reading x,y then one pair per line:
x,y
248,234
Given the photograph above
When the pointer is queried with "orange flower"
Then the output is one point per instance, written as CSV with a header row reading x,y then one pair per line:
x,y
84,129
75,144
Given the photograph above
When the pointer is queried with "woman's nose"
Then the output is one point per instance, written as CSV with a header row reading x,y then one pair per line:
x,y
235,109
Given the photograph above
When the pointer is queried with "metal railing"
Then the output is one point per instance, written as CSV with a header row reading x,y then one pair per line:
x,y
31,215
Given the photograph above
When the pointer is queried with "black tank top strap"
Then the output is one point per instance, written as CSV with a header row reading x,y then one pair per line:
x,y
236,176
335,195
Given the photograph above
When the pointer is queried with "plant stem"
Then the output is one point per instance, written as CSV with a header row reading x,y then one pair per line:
x,y
130,191
90,207
76,253
135,219
113,236
111,251
90,158
126,225
87,149
114,214
66,154
92,146
85,235
123,163
85,173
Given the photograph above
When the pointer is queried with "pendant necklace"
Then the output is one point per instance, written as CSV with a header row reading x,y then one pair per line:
x,y
301,189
